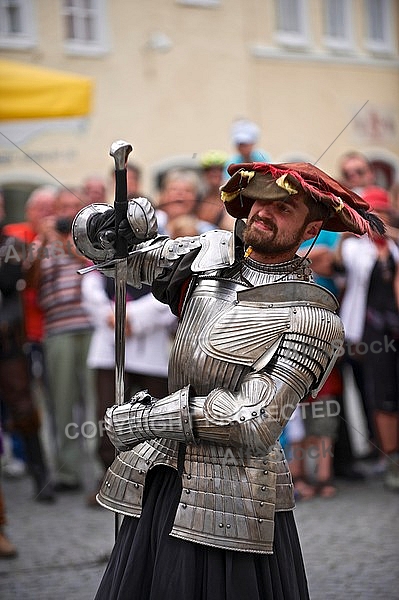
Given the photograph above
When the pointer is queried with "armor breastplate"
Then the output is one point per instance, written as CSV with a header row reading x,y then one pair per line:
x,y
190,359
227,329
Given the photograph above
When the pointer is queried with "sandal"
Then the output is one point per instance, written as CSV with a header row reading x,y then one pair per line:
x,y
303,490
326,489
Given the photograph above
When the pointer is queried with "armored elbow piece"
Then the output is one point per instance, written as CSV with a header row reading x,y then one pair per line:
x,y
245,418
142,220
93,228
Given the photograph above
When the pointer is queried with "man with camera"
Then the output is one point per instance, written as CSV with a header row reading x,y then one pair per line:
x,y
67,332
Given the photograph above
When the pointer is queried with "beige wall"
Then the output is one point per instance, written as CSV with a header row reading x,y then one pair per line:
x,y
181,102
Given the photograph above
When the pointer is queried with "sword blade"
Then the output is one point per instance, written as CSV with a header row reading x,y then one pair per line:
x,y
120,337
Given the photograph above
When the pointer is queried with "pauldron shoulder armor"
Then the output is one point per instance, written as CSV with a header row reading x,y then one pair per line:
x,y
216,250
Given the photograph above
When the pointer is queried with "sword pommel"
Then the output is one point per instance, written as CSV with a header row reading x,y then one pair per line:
x,y
120,150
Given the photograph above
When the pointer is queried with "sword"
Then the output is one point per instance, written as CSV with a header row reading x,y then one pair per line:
x,y
120,151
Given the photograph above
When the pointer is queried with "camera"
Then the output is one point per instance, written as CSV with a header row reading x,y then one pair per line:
x,y
63,225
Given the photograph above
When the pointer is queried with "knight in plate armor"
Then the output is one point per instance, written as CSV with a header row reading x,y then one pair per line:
x,y
200,475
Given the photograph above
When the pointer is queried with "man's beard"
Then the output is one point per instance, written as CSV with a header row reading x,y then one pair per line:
x,y
267,242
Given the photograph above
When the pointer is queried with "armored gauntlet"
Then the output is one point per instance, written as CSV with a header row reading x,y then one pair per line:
x,y
145,418
93,228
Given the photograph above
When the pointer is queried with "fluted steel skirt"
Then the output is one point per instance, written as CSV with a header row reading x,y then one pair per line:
x,y
149,564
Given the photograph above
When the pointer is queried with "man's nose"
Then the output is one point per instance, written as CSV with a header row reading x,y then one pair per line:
x,y
267,209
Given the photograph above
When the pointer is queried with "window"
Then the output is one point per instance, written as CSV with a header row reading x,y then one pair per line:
x,y
16,24
84,26
291,22
378,25
338,24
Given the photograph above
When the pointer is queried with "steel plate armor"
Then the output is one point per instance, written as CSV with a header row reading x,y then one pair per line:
x,y
253,341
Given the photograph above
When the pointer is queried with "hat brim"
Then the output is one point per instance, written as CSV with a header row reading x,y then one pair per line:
x,y
349,212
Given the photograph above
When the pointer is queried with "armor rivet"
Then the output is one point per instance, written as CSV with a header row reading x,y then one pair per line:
x,y
186,420
254,413
220,524
184,505
262,411
262,503
184,407
263,488
188,434
141,472
187,491
189,476
265,472
228,526
242,418
136,485
147,462
260,520
265,462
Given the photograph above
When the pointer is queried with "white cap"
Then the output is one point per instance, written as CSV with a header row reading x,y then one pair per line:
x,y
244,132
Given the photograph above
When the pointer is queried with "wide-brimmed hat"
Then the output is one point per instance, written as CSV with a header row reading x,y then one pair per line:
x,y
254,181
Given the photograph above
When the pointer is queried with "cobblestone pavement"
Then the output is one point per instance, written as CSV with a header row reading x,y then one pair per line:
x,y
350,544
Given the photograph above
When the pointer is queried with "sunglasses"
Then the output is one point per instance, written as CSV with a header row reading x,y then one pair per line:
x,y
348,174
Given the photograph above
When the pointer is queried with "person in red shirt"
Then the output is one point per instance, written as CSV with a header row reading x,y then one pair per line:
x,y
39,213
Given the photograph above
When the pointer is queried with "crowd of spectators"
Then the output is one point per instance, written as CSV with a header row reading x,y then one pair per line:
x,y
68,330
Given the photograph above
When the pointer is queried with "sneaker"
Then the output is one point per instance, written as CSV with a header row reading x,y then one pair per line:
x,y
14,468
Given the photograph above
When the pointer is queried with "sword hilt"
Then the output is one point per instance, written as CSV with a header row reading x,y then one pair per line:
x,y
120,151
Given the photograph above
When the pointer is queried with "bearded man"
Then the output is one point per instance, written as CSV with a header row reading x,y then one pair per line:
x,y
200,474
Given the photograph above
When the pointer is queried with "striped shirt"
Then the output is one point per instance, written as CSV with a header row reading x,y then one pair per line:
x,y
60,296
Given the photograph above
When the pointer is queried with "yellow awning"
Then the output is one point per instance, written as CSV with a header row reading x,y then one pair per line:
x,y
30,92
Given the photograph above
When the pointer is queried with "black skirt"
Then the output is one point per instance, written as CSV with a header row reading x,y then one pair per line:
x,y
149,564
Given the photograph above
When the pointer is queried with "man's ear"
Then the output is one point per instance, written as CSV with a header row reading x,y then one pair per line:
x,y
311,230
